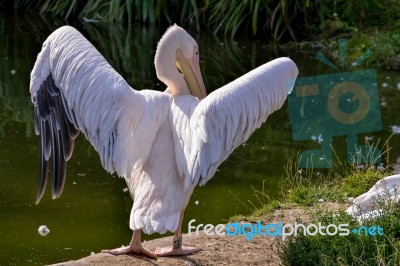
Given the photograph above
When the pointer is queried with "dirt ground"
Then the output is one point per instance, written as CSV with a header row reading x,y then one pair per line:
x,y
216,250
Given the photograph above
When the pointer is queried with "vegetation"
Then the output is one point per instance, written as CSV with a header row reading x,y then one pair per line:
x,y
296,19
368,24
306,189
352,249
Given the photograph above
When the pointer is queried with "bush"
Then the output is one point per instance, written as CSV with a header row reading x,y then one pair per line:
x,y
353,249
296,19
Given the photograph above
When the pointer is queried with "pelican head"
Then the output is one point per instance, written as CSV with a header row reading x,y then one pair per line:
x,y
177,63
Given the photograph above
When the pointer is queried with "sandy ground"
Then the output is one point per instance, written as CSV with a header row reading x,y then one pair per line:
x,y
216,250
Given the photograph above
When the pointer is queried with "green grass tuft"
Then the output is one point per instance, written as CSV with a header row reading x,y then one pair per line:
x,y
352,249
306,187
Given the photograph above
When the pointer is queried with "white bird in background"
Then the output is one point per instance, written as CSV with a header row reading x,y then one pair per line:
x,y
162,143
369,205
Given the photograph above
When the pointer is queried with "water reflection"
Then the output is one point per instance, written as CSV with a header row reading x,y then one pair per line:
x,y
130,51
93,211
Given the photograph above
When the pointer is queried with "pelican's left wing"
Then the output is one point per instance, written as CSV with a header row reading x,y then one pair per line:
x,y
207,132
74,89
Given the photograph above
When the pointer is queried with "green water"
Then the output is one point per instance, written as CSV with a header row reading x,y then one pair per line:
x,y
93,210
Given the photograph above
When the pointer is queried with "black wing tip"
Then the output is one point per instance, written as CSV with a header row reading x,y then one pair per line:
x,y
38,198
58,186
56,194
57,136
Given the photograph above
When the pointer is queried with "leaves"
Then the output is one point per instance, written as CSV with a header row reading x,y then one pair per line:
x,y
280,18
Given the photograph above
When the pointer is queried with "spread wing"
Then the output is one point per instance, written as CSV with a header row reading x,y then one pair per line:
x,y
207,132
74,90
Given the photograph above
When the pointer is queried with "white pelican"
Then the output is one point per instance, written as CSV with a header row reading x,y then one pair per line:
x,y
162,143
370,204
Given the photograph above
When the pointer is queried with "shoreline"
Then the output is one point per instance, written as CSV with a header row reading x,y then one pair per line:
x,y
220,250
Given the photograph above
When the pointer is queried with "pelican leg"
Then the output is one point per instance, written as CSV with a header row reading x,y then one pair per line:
x,y
176,249
135,247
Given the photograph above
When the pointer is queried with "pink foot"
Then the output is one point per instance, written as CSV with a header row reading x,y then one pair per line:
x,y
132,249
169,251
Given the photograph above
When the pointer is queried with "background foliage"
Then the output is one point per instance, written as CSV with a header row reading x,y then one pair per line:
x,y
276,19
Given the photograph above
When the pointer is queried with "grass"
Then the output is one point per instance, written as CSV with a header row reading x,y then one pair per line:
x,y
304,188
309,190
383,42
277,19
352,249
368,24
307,187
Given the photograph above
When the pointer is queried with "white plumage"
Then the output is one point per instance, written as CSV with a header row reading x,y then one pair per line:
x,y
162,143
370,204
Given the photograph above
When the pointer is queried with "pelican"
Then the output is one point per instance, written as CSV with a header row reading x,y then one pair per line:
x,y
162,143
369,205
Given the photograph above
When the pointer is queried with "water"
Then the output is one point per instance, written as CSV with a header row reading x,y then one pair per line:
x,y
93,210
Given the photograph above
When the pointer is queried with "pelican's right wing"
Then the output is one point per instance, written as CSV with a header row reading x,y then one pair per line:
x,y
74,89
207,132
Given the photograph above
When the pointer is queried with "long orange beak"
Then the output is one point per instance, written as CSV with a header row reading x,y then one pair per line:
x,y
190,70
